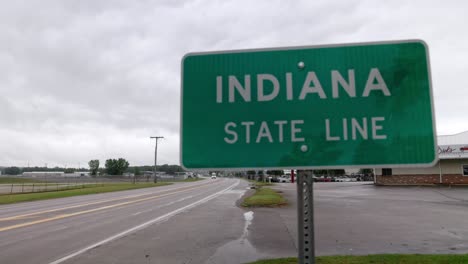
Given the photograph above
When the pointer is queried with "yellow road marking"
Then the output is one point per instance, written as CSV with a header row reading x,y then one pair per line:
x,y
81,205
65,208
85,211
90,210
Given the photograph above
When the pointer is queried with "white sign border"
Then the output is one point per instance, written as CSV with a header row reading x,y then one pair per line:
x,y
417,165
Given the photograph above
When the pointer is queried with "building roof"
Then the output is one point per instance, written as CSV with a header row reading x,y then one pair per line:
x,y
455,139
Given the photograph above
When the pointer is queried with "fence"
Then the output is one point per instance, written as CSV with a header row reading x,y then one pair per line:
x,y
144,179
41,187
47,184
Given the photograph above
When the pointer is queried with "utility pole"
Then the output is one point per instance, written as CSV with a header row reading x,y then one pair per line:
x,y
156,157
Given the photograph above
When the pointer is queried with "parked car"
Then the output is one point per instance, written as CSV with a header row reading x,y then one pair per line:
x,y
272,179
346,179
284,179
323,179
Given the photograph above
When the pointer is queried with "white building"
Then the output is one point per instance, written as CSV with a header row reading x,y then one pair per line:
x,y
56,174
78,174
42,174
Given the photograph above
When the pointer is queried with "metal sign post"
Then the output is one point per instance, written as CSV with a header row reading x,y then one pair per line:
x,y
305,217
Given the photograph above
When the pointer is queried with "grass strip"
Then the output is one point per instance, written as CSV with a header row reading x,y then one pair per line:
x,y
264,197
91,189
378,259
6,180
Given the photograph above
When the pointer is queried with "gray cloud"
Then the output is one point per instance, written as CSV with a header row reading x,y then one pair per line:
x,y
94,79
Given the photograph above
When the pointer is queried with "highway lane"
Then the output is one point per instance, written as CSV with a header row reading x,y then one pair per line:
x,y
20,208
46,231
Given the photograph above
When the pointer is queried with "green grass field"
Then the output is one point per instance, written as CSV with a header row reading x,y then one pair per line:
x,y
6,180
264,197
88,189
378,259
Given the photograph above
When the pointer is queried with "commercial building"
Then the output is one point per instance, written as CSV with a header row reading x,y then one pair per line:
x,y
52,174
452,167
40,174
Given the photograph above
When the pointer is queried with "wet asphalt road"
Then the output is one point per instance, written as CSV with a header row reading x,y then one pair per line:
x,y
360,219
201,223
86,229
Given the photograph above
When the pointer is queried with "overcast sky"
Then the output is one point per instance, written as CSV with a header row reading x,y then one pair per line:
x,y
83,80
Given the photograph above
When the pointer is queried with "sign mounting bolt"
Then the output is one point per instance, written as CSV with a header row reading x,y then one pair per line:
x,y
304,148
301,65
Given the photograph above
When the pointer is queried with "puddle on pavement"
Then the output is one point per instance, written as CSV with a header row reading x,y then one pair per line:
x,y
239,250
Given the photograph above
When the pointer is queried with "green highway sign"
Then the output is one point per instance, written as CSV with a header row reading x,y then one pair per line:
x,y
338,106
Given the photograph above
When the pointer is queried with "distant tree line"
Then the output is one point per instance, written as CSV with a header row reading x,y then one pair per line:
x,y
120,166
12,171
17,170
116,166
111,167
166,168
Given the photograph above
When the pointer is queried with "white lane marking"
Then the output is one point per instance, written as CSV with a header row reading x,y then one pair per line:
x,y
115,198
86,198
144,225
164,205
180,200
57,228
